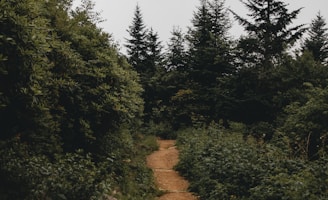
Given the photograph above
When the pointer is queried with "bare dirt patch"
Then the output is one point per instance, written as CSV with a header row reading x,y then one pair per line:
x,y
168,180
163,159
178,196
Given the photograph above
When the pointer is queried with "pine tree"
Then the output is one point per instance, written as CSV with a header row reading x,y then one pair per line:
x,y
209,54
208,41
145,55
151,76
137,44
154,56
269,32
317,42
176,55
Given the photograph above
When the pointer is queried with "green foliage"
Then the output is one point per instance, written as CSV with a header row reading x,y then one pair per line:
x,y
137,47
300,97
305,124
209,58
76,175
25,74
70,104
269,32
145,55
176,55
69,176
224,164
257,89
317,42
261,131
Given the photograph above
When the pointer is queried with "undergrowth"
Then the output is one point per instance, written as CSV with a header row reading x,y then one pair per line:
x,y
225,164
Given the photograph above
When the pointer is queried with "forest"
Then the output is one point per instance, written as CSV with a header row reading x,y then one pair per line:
x,y
78,117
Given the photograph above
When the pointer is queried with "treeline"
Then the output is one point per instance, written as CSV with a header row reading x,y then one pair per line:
x,y
272,81
272,78
70,107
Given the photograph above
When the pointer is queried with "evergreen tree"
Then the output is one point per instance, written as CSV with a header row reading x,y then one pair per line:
x,y
209,55
260,54
176,55
269,32
137,44
145,55
151,76
208,42
317,42
174,80
154,50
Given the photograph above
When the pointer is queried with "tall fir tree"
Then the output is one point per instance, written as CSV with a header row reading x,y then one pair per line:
x,y
137,44
145,55
261,52
176,54
151,77
317,42
209,46
269,32
154,56
209,55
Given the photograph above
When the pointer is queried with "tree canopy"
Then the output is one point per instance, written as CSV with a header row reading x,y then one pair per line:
x,y
77,117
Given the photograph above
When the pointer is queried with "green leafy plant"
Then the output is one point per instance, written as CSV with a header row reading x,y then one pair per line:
x,y
224,164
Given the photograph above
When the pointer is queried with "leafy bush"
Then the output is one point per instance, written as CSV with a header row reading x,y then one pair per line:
x,y
69,176
69,105
76,175
261,131
305,124
222,164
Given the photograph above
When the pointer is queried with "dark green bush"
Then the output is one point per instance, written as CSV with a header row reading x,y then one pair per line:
x,y
261,131
222,164
69,176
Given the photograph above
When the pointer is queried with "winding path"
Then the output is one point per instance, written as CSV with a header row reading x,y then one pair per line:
x,y
168,180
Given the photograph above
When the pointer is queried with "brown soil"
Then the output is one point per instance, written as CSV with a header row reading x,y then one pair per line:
x,y
168,180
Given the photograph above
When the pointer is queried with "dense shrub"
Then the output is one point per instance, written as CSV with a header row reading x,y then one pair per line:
x,y
69,176
305,124
69,105
223,164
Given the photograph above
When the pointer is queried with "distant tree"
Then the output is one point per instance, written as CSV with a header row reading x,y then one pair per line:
x,y
317,42
175,80
219,18
137,44
269,32
154,57
145,55
176,55
209,47
151,77
259,54
209,55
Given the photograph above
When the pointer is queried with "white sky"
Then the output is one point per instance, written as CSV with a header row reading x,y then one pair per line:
x,y
163,15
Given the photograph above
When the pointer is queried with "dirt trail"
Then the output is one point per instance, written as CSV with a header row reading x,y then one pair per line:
x,y
162,163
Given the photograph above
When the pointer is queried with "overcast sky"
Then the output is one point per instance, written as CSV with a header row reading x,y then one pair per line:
x,y
163,15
